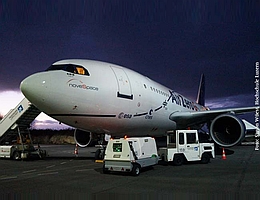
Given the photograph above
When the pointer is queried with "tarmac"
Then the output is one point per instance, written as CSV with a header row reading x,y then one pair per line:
x,y
62,175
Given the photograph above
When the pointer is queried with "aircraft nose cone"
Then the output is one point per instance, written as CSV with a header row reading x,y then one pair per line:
x,y
36,88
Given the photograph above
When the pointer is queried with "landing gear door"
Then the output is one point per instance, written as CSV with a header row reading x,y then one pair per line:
x,y
124,87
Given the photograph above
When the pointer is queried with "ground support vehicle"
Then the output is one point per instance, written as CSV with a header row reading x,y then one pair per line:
x,y
130,155
21,151
184,145
15,138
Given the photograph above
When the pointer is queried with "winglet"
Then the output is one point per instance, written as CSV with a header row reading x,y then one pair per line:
x,y
201,92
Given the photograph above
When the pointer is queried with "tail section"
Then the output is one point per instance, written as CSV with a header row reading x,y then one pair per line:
x,y
201,92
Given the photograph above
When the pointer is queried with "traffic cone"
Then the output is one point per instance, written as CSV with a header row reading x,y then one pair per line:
x,y
223,154
76,152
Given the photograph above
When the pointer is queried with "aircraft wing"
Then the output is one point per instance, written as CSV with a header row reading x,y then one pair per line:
x,y
194,118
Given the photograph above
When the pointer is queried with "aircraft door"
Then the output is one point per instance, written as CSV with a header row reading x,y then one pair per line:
x,y
124,86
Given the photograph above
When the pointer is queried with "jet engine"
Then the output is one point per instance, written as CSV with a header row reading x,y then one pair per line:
x,y
227,130
82,138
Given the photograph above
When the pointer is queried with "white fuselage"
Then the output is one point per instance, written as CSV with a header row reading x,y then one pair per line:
x,y
111,99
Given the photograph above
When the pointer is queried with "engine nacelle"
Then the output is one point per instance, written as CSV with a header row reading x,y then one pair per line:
x,y
82,138
227,130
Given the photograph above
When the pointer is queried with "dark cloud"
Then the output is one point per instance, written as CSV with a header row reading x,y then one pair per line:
x,y
230,101
171,42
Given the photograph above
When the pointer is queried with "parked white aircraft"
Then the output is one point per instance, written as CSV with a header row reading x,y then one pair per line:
x,y
98,97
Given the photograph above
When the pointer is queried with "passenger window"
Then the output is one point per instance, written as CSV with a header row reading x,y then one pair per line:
x,y
191,138
181,138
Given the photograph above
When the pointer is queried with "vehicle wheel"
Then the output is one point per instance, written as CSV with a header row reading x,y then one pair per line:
x,y
136,170
17,155
42,154
205,158
105,171
178,160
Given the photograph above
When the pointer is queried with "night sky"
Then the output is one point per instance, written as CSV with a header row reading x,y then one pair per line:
x,y
171,42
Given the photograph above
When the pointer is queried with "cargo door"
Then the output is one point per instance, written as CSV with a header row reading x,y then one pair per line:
x,y
123,83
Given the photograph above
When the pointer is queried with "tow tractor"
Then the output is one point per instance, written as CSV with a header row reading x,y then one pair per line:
x,y
184,145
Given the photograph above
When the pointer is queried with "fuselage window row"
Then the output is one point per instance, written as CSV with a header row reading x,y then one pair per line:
x,y
159,91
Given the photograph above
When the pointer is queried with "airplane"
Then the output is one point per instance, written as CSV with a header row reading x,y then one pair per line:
x,y
100,98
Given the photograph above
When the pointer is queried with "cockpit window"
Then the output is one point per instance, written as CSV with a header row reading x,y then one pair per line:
x,y
80,70
76,69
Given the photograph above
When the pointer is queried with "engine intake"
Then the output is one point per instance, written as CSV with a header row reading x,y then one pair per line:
x,y
227,130
82,138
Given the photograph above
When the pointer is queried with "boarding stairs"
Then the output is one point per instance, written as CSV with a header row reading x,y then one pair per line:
x,y
17,121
